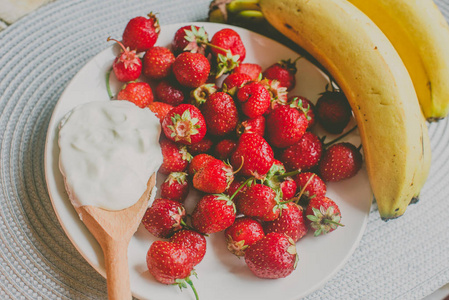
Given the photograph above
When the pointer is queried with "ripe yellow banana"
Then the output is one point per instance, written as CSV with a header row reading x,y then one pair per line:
x,y
420,34
374,79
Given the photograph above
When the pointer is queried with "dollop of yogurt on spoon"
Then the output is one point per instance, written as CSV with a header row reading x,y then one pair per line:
x,y
108,151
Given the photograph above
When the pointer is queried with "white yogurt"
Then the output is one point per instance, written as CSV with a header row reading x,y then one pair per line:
x,y
108,151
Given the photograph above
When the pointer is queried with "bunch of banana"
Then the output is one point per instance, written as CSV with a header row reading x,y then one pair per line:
x,y
370,72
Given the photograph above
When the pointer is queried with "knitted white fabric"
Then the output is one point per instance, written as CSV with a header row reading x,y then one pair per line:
x,y
407,258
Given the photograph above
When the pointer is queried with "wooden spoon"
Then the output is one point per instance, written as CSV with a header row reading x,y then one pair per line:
x,y
113,231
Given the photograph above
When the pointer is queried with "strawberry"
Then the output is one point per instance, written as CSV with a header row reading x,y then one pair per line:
x,y
291,222
323,215
170,92
127,65
333,111
305,106
253,70
304,155
175,187
175,158
163,217
254,99
224,148
243,233
184,124
213,177
213,213
220,114
197,162
141,33
309,185
254,125
288,188
340,161
285,126
171,263
283,71
202,146
192,241
259,201
234,81
228,39
190,38
139,93
253,156
160,109
157,63
273,256
191,69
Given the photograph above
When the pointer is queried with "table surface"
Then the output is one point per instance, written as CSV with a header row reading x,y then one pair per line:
x,y
43,48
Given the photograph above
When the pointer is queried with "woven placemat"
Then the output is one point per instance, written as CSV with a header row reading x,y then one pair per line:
x,y
407,258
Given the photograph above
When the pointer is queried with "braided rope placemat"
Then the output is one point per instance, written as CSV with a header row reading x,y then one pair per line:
x,y
407,258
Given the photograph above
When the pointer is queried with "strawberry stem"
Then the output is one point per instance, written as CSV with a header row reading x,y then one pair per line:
x,y
325,145
240,187
304,188
332,222
108,86
118,42
289,174
189,282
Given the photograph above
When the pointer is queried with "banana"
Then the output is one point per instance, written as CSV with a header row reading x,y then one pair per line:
x,y
420,34
379,89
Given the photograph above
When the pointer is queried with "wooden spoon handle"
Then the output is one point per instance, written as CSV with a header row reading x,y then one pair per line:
x,y
117,269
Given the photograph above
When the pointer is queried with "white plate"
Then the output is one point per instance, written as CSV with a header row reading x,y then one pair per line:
x,y
221,275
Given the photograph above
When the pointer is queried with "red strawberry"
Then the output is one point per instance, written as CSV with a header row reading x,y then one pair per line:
x,y
333,111
213,177
141,33
273,256
234,81
175,187
278,94
213,213
160,109
139,93
304,155
253,70
285,126
184,124
191,240
283,71
288,188
163,217
254,99
259,201
340,161
220,114
127,65
305,106
224,148
190,38
202,146
170,92
170,263
197,162
323,215
291,222
191,69
253,154
157,63
309,185
243,233
230,40
175,158
254,125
